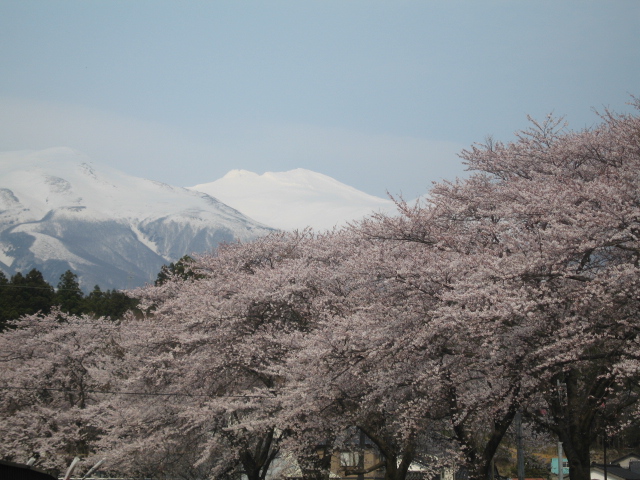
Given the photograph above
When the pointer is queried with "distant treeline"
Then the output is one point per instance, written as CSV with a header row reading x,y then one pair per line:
x,y
30,293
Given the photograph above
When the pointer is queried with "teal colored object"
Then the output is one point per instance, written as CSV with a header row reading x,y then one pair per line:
x,y
554,466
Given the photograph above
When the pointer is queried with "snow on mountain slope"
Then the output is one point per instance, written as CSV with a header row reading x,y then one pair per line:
x,y
294,199
60,211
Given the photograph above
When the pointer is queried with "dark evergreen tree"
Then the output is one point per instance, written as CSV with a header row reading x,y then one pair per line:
x,y
39,293
95,302
69,296
110,303
14,297
117,304
182,268
28,294
4,300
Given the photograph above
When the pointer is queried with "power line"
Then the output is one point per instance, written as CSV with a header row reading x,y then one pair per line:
x,y
50,288
126,326
54,289
143,394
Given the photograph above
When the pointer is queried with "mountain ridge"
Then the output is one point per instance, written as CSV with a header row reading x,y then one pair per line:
x,y
59,211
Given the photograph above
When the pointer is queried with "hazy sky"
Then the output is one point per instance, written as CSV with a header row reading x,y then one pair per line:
x,y
380,95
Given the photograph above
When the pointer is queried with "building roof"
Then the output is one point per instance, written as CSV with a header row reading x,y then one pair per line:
x,y
628,456
618,471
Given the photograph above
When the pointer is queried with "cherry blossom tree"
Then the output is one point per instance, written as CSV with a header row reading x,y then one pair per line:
x,y
55,369
467,308
547,231
360,366
216,340
515,289
453,351
568,210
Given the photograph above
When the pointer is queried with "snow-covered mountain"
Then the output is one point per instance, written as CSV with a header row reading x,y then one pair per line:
x,y
60,211
294,199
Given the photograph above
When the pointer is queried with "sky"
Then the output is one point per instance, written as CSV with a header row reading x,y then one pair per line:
x,y
380,95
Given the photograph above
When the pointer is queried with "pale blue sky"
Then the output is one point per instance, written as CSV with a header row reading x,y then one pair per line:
x,y
380,95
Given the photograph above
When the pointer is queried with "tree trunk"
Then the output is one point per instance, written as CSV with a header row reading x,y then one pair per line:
x,y
479,458
579,459
573,404
256,461
396,459
576,436
399,469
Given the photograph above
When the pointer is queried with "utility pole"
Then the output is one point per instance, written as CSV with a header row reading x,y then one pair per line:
x,y
560,462
560,455
604,447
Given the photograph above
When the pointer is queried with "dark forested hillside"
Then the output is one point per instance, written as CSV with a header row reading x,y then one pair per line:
x,y
28,294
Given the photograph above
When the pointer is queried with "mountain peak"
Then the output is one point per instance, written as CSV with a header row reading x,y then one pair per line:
x,y
294,199
239,173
